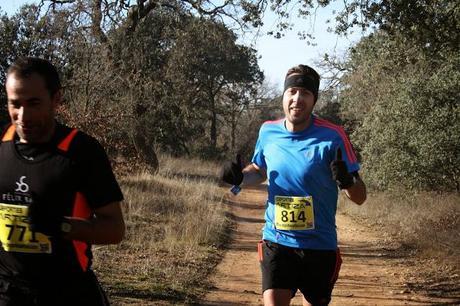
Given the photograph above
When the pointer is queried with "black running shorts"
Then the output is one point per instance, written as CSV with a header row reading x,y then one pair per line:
x,y
85,290
313,272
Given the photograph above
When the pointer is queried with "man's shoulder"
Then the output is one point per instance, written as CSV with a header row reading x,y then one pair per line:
x,y
273,122
3,128
327,127
271,125
80,143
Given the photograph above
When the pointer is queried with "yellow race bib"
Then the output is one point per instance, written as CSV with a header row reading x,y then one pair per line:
x,y
294,213
15,234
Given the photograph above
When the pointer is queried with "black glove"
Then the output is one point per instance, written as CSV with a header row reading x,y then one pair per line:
x,y
340,172
44,219
232,172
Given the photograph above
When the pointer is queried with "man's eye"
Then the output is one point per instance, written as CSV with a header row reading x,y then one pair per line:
x,y
14,104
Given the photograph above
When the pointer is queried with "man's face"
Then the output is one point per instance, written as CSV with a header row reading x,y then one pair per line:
x,y
298,104
31,108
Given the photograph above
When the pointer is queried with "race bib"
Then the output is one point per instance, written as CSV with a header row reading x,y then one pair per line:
x,y
15,234
294,213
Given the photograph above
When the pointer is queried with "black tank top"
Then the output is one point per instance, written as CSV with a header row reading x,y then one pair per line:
x,y
53,173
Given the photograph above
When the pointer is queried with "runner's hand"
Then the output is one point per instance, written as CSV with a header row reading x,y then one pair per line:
x,y
44,219
231,172
340,172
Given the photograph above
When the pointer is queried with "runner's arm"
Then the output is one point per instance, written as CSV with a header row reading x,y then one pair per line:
x,y
357,192
107,226
253,175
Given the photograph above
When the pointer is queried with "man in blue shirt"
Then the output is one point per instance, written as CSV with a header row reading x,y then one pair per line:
x,y
305,159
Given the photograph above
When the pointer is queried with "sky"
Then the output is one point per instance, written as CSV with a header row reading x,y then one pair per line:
x,y
276,56
11,6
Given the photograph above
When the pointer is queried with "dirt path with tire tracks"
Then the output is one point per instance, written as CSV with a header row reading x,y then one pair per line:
x,y
372,271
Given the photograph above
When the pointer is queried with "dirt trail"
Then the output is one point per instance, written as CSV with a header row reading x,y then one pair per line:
x,y
371,273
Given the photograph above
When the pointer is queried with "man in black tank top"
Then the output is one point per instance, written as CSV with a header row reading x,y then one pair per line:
x,y
58,196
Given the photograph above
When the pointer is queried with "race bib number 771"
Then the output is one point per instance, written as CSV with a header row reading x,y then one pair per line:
x,y
15,235
294,213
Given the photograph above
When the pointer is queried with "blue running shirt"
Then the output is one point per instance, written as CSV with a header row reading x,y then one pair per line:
x,y
297,165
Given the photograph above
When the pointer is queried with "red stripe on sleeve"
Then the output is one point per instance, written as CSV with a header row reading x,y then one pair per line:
x,y
348,147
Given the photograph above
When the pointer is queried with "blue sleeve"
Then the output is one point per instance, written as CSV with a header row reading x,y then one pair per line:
x,y
348,153
258,158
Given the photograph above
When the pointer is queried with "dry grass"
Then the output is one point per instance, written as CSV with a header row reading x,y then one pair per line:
x,y
175,225
427,226
430,222
196,169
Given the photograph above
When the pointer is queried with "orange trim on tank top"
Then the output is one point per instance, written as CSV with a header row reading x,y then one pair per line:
x,y
65,143
81,210
9,134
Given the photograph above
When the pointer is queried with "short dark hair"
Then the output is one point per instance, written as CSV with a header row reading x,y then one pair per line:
x,y
25,66
303,70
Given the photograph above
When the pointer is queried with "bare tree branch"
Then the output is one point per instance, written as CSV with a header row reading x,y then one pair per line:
x,y
139,11
96,20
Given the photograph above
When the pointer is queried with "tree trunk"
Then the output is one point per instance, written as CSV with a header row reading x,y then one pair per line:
x,y
233,135
213,131
145,151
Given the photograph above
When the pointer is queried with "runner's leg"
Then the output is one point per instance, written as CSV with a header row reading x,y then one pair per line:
x,y
322,271
277,297
279,265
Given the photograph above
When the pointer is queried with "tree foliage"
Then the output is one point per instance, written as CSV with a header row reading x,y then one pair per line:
x,y
164,83
170,74
398,93
208,65
405,110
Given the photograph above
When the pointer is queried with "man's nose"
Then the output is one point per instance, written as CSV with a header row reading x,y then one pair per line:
x,y
296,96
23,114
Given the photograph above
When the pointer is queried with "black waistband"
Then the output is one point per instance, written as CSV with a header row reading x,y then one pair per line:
x,y
281,246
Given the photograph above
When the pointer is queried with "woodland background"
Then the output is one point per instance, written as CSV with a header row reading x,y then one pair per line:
x,y
170,93
147,76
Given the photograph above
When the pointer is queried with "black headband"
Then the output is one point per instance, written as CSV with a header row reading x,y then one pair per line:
x,y
302,81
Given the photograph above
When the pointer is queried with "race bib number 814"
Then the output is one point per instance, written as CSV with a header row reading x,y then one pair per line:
x,y
294,213
15,234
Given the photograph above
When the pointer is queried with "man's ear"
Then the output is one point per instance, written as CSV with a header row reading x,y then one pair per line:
x,y
57,99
